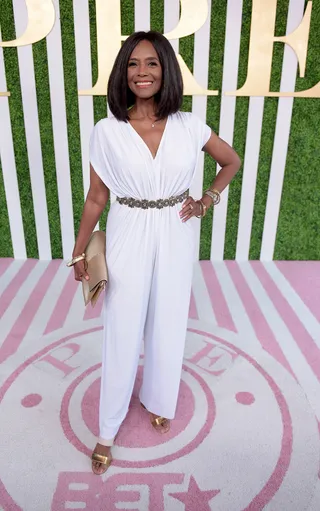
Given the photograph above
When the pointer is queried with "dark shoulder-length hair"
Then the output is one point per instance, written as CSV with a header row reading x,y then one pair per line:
x,y
168,99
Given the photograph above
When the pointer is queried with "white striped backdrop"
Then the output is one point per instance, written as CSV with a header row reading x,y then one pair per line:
x,y
86,122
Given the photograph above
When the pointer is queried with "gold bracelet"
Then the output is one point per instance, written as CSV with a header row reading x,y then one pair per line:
x,y
201,205
204,208
76,259
214,195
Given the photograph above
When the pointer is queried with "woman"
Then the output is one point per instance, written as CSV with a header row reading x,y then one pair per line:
x,y
147,156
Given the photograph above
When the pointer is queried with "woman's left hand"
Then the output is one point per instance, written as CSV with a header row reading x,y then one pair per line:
x,y
190,208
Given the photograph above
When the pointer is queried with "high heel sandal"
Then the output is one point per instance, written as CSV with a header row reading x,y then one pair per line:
x,y
158,422
103,460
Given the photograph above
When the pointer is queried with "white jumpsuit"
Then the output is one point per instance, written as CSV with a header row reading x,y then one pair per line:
x,y
150,255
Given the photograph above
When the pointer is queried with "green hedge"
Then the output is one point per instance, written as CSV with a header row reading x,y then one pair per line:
x,y
299,221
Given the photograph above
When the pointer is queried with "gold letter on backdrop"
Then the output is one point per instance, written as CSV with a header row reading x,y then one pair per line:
x,y
193,15
261,48
108,16
41,16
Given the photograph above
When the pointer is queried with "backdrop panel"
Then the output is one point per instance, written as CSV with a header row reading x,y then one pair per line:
x,y
271,209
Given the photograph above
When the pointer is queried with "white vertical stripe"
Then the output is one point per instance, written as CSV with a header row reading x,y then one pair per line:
x,y
227,114
19,301
281,139
32,129
141,15
201,296
84,81
235,305
306,317
290,349
9,171
199,104
171,20
60,134
249,180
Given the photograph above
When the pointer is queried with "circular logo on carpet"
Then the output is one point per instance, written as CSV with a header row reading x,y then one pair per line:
x,y
242,432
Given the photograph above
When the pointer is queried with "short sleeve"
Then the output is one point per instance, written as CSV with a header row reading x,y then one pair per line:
x,y
98,151
207,132
203,131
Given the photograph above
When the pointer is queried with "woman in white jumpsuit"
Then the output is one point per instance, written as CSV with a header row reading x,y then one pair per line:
x,y
148,160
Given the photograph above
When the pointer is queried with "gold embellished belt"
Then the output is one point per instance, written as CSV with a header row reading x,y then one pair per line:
x,y
159,203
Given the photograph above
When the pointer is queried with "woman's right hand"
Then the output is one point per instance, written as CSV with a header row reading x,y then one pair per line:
x,y
80,271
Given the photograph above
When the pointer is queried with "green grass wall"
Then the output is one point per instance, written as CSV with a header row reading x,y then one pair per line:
x,y
299,220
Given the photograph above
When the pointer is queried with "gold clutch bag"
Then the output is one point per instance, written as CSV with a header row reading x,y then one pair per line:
x,y
96,266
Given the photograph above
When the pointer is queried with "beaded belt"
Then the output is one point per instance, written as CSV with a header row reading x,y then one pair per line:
x,y
159,204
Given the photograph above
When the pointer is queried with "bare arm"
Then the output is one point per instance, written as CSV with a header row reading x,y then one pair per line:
x,y
97,198
230,163
228,160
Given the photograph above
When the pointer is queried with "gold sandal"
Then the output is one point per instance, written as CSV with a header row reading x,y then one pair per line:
x,y
104,460
158,422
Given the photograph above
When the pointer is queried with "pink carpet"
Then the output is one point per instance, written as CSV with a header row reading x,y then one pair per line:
x,y
246,434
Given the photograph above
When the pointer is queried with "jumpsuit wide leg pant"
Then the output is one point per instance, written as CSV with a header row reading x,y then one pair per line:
x,y
150,261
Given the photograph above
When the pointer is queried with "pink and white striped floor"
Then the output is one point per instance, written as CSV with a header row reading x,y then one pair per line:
x,y
246,434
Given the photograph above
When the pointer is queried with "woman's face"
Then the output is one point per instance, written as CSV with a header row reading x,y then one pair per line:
x,y
144,71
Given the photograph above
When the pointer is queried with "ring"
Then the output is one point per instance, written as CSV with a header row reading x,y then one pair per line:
x,y
191,206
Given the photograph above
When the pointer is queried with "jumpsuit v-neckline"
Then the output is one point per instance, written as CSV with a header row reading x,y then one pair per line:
x,y
142,141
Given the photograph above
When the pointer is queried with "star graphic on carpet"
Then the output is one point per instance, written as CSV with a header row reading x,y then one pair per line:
x,y
195,498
